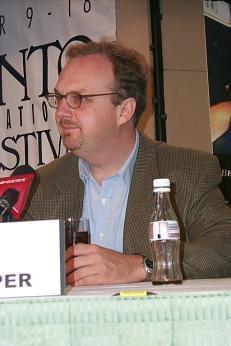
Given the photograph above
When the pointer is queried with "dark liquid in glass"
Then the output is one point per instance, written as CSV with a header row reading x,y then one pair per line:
x,y
82,237
77,237
175,282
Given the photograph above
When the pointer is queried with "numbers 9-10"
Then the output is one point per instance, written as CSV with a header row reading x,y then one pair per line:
x,y
30,12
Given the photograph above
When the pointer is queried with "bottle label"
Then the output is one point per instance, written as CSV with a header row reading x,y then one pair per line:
x,y
164,230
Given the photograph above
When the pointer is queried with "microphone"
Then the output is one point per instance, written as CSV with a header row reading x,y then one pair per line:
x,y
8,199
15,190
23,169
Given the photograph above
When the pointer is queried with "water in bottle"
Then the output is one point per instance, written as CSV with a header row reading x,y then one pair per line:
x,y
164,237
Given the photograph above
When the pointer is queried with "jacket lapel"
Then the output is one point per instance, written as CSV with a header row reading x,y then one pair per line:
x,y
140,199
68,198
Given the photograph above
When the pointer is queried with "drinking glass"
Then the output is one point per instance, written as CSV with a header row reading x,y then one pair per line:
x,y
77,230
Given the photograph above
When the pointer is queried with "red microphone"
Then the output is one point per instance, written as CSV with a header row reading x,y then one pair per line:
x,y
14,191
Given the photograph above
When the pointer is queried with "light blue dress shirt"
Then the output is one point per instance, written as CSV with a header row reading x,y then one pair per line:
x,y
105,205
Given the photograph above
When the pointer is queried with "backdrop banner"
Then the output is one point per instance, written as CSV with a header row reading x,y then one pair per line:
x,y
33,37
218,38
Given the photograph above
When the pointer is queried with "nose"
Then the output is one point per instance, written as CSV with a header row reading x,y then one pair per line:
x,y
63,110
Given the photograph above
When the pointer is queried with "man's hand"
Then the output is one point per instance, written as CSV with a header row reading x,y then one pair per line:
x,y
95,265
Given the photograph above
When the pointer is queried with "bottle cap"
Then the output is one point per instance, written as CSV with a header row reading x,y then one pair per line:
x,y
162,185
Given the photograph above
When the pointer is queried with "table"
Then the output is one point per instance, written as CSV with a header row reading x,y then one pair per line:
x,y
198,312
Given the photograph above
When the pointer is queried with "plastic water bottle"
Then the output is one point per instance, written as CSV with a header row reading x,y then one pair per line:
x,y
164,237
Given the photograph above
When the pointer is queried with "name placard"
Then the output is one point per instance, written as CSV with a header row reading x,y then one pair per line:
x,y
32,258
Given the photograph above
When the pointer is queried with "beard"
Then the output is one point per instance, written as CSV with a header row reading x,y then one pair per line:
x,y
70,145
71,134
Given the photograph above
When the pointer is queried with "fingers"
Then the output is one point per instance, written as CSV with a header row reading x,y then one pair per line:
x,y
78,249
93,265
86,270
82,260
83,276
86,281
94,274
77,262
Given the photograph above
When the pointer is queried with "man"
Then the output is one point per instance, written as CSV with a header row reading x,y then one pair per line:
x,y
108,174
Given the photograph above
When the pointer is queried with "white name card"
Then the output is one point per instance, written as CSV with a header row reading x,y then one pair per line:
x,y
32,258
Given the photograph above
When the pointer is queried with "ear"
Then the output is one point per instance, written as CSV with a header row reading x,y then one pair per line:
x,y
126,110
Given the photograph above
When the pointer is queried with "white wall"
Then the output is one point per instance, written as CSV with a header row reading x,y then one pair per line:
x,y
185,67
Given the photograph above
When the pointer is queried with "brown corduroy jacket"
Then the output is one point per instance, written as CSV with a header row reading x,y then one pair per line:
x,y
204,217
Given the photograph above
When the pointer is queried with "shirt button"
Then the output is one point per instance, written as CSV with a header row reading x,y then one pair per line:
x,y
101,235
104,201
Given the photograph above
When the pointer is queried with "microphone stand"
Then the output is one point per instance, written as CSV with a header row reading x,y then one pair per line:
x,y
6,217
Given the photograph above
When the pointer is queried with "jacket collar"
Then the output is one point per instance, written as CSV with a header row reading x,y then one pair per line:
x,y
140,199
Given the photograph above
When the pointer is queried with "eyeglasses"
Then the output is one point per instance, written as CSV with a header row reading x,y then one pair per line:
x,y
73,99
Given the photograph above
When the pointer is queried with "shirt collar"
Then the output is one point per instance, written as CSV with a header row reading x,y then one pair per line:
x,y
125,172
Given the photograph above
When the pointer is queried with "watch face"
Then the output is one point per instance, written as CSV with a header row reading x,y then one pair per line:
x,y
148,263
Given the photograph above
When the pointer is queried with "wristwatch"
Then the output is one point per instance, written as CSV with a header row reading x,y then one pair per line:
x,y
147,265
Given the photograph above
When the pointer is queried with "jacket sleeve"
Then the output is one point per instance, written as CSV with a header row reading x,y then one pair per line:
x,y
207,249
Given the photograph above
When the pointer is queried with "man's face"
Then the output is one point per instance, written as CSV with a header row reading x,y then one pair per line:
x,y
87,130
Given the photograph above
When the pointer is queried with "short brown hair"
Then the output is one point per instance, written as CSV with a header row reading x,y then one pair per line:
x,y
130,70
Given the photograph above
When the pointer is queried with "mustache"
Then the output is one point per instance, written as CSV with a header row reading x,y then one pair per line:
x,y
65,122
